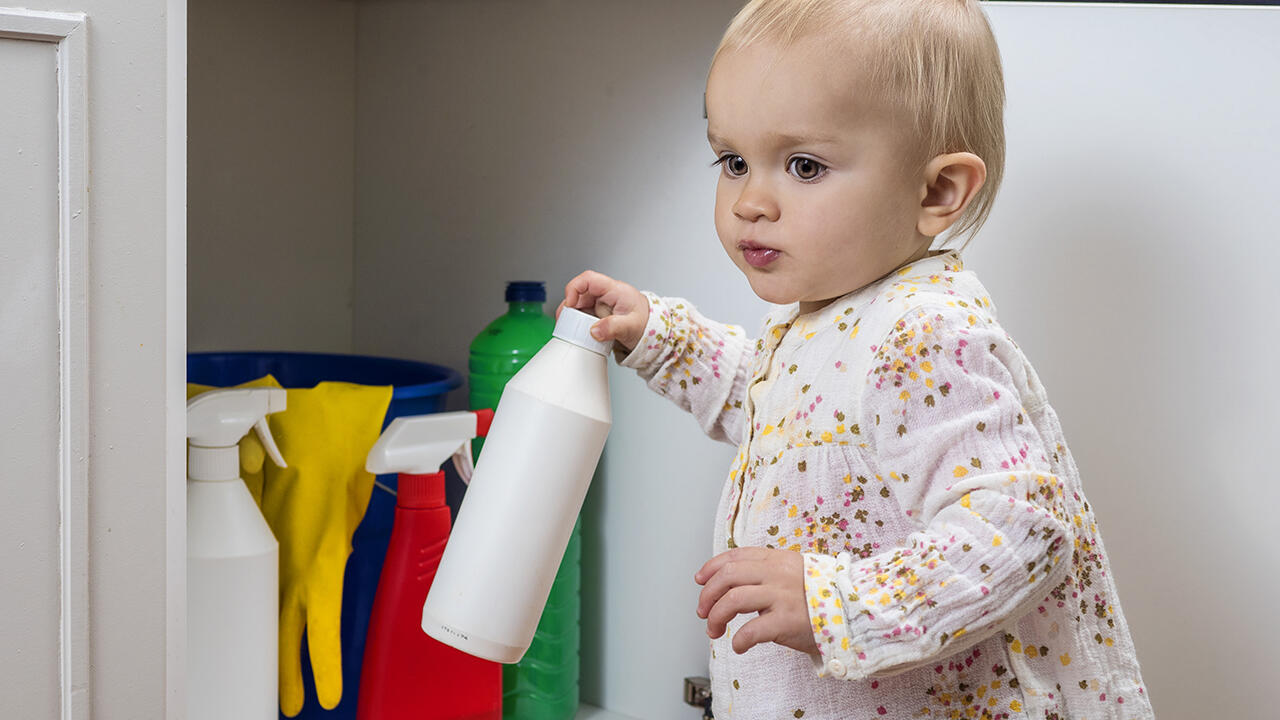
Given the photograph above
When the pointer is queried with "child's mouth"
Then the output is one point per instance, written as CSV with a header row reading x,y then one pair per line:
x,y
758,255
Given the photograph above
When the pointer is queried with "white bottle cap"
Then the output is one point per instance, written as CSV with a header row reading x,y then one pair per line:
x,y
574,326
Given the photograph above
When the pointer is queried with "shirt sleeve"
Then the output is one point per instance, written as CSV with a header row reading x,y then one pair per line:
x,y
699,364
953,440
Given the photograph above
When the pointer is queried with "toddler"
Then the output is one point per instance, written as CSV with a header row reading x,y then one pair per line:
x,y
903,532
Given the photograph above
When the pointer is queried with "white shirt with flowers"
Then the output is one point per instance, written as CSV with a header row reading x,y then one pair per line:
x,y
901,441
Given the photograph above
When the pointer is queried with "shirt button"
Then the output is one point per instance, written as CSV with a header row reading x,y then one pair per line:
x,y
837,668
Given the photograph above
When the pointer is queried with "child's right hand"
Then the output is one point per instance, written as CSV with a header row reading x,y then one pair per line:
x,y
623,310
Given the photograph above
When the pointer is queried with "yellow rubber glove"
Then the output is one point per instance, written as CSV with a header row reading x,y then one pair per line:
x,y
313,507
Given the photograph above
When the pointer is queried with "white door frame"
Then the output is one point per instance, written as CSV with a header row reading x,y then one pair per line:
x,y
175,353
67,32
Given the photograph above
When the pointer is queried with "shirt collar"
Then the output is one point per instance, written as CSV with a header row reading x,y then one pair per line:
x,y
780,319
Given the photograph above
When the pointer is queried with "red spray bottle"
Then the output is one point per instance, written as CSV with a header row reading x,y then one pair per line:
x,y
407,673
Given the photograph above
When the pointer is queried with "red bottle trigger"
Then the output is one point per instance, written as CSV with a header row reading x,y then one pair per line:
x,y
484,419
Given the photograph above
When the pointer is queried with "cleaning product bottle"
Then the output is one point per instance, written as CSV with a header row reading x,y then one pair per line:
x,y
544,684
506,344
232,562
406,674
520,510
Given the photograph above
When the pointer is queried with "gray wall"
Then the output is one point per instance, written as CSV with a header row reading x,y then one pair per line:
x,y
529,139
508,139
532,140
272,180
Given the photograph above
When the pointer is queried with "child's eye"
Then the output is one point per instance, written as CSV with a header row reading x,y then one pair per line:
x,y
733,165
806,168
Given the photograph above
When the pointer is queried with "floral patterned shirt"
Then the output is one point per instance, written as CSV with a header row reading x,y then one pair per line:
x,y
901,441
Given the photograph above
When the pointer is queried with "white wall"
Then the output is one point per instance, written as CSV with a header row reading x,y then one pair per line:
x,y
1131,255
272,179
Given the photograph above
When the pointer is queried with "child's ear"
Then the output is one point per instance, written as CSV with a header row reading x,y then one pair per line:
x,y
950,182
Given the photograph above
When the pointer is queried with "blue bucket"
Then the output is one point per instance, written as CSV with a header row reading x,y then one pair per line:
x,y
419,389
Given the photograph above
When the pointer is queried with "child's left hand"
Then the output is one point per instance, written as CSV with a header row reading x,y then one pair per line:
x,y
756,579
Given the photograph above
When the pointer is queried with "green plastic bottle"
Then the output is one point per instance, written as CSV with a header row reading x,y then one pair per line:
x,y
544,684
502,348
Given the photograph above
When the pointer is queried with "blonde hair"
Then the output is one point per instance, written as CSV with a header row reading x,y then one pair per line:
x,y
935,60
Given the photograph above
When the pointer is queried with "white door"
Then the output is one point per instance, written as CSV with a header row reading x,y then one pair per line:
x,y
92,338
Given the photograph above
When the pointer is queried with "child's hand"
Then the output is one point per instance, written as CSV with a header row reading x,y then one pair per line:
x,y
624,311
755,579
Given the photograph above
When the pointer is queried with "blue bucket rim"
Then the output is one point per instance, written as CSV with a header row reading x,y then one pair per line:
x,y
452,378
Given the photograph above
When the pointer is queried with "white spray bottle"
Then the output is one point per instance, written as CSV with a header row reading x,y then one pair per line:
x,y
513,526
232,562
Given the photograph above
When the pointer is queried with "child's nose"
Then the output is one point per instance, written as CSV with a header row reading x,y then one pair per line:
x,y
756,202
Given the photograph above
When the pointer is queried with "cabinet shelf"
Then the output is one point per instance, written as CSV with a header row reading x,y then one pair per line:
x,y
590,712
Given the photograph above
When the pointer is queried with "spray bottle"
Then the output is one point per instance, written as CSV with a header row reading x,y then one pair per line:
x,y
232,562
407,674
519,512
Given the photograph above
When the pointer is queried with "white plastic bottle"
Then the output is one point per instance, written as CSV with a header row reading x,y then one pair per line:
x,y
519,511
232,562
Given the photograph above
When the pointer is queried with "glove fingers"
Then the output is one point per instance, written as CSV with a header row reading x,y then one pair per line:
x,y
291,691
325,644
252,456
252,453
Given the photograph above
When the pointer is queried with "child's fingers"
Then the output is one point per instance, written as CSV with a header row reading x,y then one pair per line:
x,y
611,301
762,629
712,566
605,329
622,328
601,294
574,289
581,292
731,574
785,621
738,600
754,579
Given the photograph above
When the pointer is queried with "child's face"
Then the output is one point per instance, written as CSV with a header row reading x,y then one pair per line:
x,y
813,200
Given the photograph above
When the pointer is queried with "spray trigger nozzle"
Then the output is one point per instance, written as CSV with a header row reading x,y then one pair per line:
x,y
218,419
463,463
422,443
269,442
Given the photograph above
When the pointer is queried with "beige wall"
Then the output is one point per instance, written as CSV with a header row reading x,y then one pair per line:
x,y
271,169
